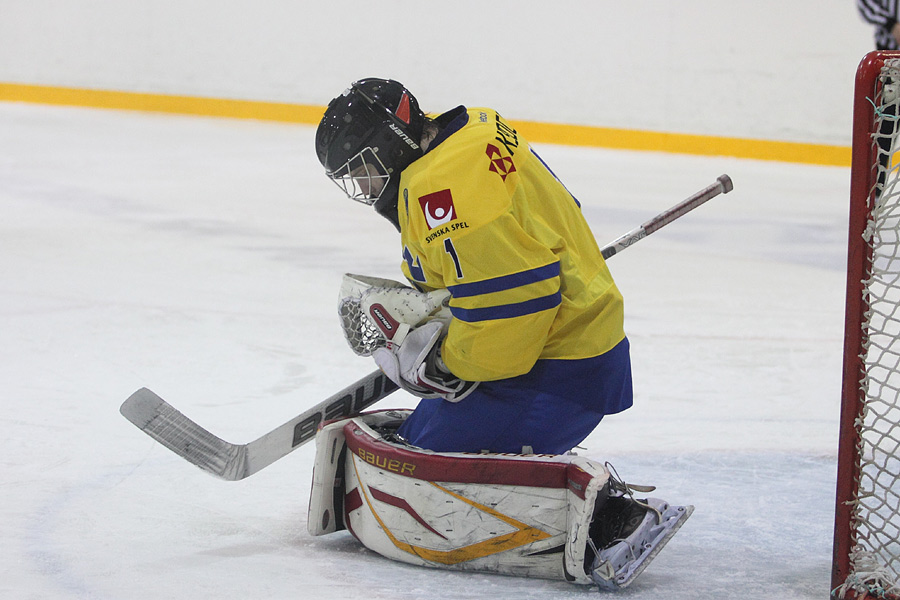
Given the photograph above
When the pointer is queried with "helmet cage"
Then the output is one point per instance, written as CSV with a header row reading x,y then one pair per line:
x,y
363,177
367,137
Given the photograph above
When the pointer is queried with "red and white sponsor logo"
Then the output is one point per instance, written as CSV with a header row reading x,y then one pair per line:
x,y
438,208
502,165
382,318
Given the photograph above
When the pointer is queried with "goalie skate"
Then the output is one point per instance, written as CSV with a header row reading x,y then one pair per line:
x,y
639,530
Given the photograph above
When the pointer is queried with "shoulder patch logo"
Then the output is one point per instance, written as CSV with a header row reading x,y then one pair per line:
x,y
438,208
502,165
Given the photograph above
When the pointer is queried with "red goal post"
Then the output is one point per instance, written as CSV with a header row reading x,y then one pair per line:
x,y
867,517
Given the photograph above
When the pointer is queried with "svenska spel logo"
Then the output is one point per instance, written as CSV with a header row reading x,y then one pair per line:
x,y
438,208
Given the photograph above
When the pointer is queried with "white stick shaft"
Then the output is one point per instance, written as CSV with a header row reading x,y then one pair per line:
x,y
723,185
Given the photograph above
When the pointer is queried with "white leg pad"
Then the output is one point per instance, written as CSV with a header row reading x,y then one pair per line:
x,y
587,480
521,515
326,499
325,514
494,513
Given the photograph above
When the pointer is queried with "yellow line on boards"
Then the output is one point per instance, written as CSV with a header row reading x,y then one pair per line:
x,y
187,105
681,143
551,133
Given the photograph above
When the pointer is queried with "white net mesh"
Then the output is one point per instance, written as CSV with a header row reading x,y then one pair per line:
x,y
360,332
876,509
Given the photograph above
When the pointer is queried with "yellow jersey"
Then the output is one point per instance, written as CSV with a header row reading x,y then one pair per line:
x,y
482,216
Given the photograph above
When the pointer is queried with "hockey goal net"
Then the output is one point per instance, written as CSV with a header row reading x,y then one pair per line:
x,y
867,517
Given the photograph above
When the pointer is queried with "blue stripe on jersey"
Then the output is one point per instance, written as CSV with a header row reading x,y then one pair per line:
x,y
507,311
546,166
506,282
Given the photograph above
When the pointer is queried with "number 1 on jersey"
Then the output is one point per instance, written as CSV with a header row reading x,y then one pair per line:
x,y
448,247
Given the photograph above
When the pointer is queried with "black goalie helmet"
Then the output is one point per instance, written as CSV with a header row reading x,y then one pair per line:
x,y
368,135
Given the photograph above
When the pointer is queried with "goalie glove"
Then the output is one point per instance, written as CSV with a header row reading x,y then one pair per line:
x,y
401,328
414,363
374,311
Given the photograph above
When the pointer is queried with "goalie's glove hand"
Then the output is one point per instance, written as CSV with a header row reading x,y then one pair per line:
x,y
416,366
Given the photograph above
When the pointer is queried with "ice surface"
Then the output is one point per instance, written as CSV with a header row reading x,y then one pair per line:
x,y
202,258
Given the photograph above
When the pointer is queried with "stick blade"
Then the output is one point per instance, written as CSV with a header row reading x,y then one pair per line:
x,y
164,423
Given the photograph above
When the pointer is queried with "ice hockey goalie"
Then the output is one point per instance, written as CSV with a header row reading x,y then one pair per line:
x,y
553,517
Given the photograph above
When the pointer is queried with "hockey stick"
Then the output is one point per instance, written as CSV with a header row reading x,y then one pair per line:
x,y
723,185
164,423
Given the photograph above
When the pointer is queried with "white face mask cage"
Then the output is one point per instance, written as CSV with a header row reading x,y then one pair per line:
x,y
363,177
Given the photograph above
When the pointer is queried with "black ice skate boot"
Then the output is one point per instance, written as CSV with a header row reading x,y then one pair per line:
x,y
627,533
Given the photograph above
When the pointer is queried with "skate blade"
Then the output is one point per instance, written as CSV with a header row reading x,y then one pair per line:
x,y
625,579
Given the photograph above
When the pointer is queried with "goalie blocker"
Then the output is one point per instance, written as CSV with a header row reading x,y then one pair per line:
x,y
553,517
